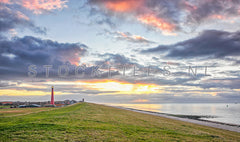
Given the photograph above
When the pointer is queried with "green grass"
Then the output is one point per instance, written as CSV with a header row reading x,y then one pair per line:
x,y
5,106
91,122
21,111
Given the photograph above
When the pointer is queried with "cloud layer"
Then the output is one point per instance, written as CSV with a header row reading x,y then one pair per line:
x,y
38,6
17,54
127,36
12,17
210,44
144,79
168,16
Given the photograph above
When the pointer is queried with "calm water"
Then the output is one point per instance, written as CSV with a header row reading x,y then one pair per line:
x,y
227,113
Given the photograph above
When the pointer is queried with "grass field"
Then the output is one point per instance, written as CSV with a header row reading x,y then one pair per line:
x,y
91,122
20,111
4,106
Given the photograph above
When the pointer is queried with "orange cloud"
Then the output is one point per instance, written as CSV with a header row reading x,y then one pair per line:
x,y
123,6
140,101
38,6
189,6
138,37
138,9
75,61
217,16
148,107
123,34
5,1
15,92
114,86
122,87
159,23
13,32
132,38
22,16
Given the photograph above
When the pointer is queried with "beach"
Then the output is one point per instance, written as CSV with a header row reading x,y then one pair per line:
x,y
195,120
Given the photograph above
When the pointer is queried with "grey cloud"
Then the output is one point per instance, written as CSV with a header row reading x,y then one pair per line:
x,y
210,43
167,10
232,83
230,96
174,12
17,54
5,84
206,8
12,17
116,59
127,36
234,60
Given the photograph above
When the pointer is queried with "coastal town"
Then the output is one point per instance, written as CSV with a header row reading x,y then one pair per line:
x,y
18,104
28,104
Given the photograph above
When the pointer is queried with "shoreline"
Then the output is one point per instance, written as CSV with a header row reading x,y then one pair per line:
x,y
187,118
96,122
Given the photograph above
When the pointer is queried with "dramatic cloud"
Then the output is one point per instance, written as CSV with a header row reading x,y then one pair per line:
x,y
157,23
38,6
118,75
168,16
126,36
13,14
116,60
5,1
210,43
216,9
17,54
11,18
141,11
122,6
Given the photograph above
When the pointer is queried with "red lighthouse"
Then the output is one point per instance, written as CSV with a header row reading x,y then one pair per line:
x,y
52,97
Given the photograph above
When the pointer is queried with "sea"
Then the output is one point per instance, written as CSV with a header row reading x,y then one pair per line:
x,y
219,112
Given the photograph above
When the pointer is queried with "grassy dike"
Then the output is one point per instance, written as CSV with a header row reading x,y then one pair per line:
x,y
92,122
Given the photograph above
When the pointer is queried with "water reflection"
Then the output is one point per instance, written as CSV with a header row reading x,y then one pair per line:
x,y
227,113
146,107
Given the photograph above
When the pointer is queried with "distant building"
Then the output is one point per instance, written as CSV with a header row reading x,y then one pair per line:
x,y
49,105
59,105
31,105
73,102
67,102
6,103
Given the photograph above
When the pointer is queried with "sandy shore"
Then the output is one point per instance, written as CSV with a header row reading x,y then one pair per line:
x,y
225,126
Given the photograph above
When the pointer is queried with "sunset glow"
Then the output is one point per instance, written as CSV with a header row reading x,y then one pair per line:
x,y
156,22
136,51
140,101
119,70
122,6
126,88
14,92
115,86
221,17
38,5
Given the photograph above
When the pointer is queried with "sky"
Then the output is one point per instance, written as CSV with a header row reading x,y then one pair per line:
x,y
120,51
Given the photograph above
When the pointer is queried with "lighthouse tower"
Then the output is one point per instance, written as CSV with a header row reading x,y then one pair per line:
x,y
52,97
